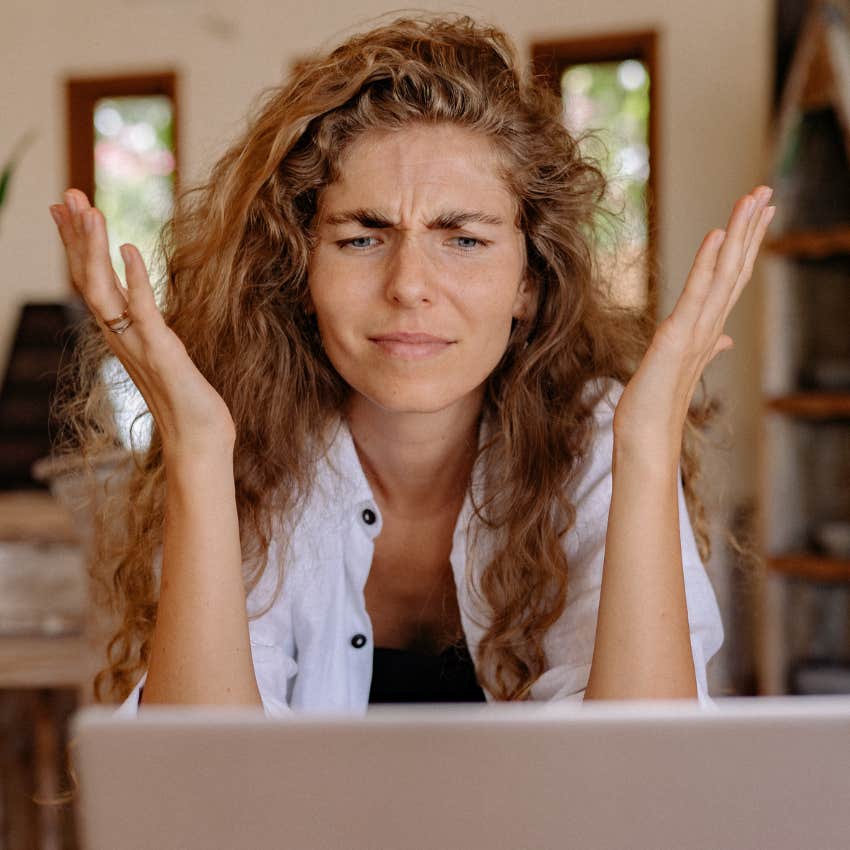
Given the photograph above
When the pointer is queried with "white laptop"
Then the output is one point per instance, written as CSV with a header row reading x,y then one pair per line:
x,y
757,773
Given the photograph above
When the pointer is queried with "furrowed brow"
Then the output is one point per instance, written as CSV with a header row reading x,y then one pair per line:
x,y
453,219
446,220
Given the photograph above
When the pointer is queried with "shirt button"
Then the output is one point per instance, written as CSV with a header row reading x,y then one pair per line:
x,y
368,517
358,640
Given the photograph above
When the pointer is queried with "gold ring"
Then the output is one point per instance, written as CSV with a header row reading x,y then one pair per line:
x,y
120,323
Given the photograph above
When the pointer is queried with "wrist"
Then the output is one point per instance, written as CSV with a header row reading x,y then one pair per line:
x,y
201,456
655,453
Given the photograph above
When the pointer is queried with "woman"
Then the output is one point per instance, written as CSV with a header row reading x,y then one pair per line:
x,y
397,419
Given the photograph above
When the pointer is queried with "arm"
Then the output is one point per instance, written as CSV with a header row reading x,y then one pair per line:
x,y
570,642
200,650
642,647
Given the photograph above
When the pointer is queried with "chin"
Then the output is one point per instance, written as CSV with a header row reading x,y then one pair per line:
x,y
414,396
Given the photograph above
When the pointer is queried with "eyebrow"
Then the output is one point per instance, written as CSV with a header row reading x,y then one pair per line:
x,y
445,220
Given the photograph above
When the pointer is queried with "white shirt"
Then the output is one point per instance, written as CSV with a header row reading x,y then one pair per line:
x,y
308,650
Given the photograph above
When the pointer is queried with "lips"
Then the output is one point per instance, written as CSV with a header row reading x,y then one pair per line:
x,y
410,338
411,346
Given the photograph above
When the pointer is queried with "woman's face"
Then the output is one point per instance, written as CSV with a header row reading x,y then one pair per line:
x,y
418,237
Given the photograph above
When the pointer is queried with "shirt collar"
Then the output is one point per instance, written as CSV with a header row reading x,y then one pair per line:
x,y
341,476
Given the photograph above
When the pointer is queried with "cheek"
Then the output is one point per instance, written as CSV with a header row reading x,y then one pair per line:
x,y
335,301
488,307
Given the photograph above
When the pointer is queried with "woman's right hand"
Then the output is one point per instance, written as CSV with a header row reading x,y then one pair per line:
x,y
189,413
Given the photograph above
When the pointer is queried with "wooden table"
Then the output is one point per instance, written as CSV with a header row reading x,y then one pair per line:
x,y
37,674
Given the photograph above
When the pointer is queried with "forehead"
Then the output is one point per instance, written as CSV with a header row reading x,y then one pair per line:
x,y
421,164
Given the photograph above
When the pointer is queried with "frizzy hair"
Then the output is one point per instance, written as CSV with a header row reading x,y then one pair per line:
x,y
235,291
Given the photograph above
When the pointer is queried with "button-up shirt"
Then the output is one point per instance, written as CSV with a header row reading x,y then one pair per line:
x,y
312,650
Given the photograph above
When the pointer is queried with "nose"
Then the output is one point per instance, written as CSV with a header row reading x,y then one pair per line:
x,y
408,281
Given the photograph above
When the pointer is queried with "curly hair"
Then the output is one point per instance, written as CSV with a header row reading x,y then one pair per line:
x,y
235,290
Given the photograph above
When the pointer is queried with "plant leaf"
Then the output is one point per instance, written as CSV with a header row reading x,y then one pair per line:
x,y
5,177
9,167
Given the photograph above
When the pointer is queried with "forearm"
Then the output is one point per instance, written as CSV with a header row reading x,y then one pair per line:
x,y
642,647
200,648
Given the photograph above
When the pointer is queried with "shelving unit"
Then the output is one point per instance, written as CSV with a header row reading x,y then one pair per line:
x,y
803,624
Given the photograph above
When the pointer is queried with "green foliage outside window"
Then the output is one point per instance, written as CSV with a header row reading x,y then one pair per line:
x,y
134,173
606,105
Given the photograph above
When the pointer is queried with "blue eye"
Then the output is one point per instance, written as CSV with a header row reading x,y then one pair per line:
x,y
469,239
351,242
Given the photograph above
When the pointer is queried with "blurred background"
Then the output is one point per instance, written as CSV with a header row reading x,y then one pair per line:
x,y
693,105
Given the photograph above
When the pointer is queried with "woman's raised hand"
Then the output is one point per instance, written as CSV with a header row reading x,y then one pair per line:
x,y
653,408
189,413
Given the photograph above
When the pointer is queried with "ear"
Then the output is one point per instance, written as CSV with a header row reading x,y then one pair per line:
x,y
525,303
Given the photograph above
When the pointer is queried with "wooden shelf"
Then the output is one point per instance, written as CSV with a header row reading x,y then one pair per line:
x,y
812,405
820,83
810,566
812,244
811,130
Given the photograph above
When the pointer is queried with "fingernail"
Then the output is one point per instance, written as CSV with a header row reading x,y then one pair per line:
x,y
70,201
54,215
88,221
124,254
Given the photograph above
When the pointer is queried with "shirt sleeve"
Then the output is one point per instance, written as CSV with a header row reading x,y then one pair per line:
x,y
569,642
272,647
273,654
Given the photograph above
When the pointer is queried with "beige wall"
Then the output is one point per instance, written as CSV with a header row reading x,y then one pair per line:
x,y
715,82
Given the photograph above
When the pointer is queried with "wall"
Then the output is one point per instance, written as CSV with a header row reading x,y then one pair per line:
x,y
715,84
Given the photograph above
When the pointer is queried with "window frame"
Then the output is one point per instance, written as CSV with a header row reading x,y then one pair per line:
x,y
81,95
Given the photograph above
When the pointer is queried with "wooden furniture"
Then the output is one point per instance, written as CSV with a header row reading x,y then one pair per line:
x,y
52,642
803,621
44,665
43,339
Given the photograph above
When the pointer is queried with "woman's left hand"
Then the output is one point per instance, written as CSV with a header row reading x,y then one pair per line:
x,y
654,405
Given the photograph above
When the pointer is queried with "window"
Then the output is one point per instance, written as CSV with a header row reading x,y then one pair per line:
x,y
605,84
123,154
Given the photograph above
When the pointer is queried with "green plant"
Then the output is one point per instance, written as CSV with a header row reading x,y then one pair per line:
x,y
11,163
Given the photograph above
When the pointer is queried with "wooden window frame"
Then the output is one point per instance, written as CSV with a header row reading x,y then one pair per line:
x,y
551,58
81,95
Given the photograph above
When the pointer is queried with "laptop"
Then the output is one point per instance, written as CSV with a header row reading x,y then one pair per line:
x,y
769,772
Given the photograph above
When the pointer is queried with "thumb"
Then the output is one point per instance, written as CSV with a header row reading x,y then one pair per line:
x,y
724,343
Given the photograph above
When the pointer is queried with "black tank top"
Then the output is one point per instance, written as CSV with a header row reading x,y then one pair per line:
x,y
402,675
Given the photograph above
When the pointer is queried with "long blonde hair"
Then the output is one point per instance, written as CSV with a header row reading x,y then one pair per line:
x,y
235,292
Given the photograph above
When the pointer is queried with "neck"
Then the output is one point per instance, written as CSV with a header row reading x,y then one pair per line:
x,y
417,464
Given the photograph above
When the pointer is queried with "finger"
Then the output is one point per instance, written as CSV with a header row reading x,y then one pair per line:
x,y
762,196
73,248
100,289
732,257
140,296
732,253
69,220
77,203
724,343
752,253
700,279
